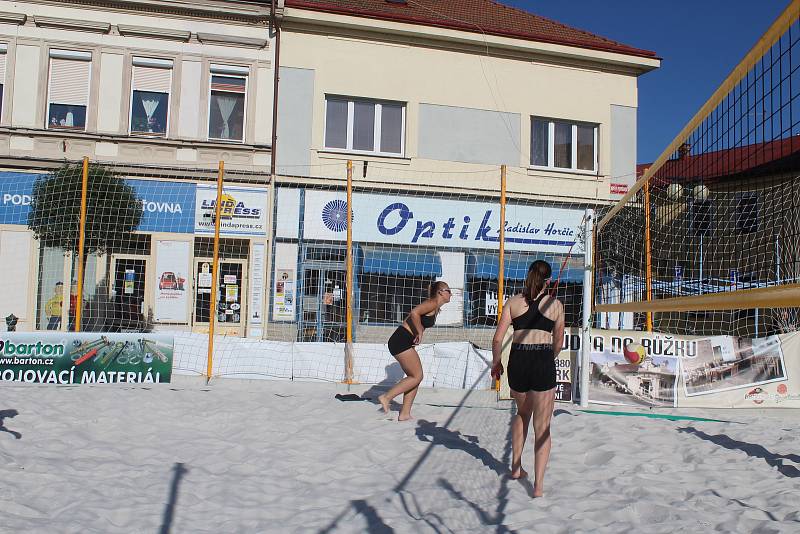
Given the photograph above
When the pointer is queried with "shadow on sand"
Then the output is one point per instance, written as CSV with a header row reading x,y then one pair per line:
x,y
751,449
9,414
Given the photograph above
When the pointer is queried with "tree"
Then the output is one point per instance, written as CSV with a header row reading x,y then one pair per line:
x,y
113,211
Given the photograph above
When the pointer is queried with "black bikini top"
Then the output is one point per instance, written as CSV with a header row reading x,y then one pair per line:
x,y
428,320
533,319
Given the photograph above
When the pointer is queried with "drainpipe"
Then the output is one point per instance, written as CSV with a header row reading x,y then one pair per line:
x,y
276,68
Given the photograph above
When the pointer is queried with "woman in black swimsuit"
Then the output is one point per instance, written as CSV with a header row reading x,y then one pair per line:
x,y
403,341
538,320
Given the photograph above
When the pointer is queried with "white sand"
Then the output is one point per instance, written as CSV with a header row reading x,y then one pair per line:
x,y
287,457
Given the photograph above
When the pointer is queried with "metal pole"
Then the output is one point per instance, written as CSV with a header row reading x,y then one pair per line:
x,y
212,312
348,358
588,300
81,243
648,257
502,260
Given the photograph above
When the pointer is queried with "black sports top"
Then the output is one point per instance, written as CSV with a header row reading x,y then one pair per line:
x,y
533,319
427,320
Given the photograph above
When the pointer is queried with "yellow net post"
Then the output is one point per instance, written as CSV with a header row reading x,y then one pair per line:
x,y
648,258
81,240
501,261
212,318
348,358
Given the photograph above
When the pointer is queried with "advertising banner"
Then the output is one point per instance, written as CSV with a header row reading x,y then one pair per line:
x,y
407,220
243,211
284,296
172,268
656,369
257,260
16,189
622,371
166,206
85,358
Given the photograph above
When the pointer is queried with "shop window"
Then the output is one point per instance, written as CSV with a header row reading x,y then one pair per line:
x,y
389,298
68,92
557,144
366,126
152,81
227,103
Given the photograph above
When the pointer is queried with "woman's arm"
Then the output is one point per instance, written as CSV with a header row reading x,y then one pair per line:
x,y
499,336
558,330
415,318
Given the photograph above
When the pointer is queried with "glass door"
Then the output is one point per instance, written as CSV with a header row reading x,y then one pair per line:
x,y
229,291
324,304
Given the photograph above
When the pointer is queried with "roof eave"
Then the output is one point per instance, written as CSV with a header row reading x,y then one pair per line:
x,y
310,17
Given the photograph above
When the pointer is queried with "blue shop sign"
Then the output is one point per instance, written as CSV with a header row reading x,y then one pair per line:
x,y
15,196
166,206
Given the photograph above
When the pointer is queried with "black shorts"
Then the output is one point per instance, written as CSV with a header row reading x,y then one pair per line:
x,y
401,341
531,368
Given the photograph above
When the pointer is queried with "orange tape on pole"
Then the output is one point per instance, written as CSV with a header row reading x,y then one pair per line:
x,y
212,313
81,243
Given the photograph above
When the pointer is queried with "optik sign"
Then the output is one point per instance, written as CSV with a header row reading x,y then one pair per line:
x,y
406,220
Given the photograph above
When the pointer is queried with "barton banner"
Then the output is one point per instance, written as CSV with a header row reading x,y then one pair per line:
x,y
85,358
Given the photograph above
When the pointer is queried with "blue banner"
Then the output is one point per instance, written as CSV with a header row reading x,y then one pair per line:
x,y
166,206
15,196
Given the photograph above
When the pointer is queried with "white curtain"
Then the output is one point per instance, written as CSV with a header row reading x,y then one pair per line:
x,y
150,106
226,104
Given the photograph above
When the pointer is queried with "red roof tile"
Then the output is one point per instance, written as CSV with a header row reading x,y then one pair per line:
x,y
720,164
477,16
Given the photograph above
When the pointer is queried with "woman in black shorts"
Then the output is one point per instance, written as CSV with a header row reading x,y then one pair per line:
x,y
403,341
538,321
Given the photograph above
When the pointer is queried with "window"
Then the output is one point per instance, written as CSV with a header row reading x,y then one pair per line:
x,y
365,126
379,306
68,91
3,50
226,103
701,216
152,80
559,144
747,212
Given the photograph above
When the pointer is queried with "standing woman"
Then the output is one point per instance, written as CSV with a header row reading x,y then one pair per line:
x,y
403,341
538,321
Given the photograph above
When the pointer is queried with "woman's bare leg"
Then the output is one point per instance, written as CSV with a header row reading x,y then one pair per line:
x,y
519,431
542,414
412,367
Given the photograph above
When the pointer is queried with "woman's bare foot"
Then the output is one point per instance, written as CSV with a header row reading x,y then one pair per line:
x,y
402,417
518,473
538,491
384,403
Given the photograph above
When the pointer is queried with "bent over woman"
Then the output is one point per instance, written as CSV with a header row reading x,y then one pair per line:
x,y
538,321
403,341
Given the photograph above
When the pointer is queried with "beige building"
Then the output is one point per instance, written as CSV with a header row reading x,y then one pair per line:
x,y
151,88
426,98
431,98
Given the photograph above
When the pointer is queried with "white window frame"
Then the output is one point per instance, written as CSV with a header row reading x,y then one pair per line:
x,y
161,63
551,150
230,71
376,141
75,55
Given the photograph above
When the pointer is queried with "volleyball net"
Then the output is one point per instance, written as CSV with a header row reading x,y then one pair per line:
x,y
708,240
